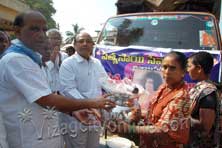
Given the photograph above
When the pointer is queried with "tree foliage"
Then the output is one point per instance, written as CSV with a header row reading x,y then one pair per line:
x,y
46,8
71,35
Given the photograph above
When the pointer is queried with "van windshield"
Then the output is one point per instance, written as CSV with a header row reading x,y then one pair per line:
x,y
180,31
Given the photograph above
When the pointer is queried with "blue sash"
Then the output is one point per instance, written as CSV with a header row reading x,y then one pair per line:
x,y
18,47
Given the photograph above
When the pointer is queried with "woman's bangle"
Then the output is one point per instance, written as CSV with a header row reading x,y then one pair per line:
x,y
146,129
137,129
132,129
140,130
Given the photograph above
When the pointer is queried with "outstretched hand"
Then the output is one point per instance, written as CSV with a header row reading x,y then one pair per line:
x,y
134,115
87,116
104,103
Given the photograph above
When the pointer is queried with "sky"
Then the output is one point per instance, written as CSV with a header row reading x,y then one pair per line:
x,y
89,14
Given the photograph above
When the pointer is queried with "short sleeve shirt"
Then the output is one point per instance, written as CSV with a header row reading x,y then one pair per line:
x,y
28,125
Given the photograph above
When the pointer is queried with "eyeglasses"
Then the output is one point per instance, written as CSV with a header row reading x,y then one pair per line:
x,y
84,40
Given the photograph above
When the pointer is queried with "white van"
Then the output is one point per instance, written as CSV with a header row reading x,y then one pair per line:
x,y
132,45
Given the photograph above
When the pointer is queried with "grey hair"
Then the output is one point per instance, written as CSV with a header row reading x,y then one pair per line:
x,y
52,31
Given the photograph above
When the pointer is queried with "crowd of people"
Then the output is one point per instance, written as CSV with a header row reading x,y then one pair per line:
x,y
30,104
53,99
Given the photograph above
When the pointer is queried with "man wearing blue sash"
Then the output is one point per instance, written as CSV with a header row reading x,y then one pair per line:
x,y
27,103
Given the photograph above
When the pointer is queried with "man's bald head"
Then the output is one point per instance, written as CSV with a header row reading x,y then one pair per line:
x,y
30,28
82,34
84,44
22,17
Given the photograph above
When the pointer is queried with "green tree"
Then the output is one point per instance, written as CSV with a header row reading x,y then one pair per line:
x,y
71,35
46,8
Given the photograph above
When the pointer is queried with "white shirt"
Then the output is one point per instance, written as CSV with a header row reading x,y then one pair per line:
x,y
53,72
63,56
3,134
47,74
79,78
28,125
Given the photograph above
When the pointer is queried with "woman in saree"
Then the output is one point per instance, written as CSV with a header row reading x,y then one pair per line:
x,y
167,120
205,105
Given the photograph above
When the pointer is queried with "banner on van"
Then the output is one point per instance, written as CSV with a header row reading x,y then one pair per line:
x,y
142,64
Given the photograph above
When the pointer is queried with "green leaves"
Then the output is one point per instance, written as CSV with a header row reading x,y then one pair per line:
x,y
46,8
71,35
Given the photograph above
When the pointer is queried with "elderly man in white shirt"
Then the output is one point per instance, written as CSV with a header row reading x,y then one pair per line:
x,y
79,78
27,103
53,65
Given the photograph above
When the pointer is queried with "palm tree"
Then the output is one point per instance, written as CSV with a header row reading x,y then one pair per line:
x,y
71,35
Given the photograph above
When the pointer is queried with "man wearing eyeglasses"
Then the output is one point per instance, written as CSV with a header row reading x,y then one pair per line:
x,y
79,78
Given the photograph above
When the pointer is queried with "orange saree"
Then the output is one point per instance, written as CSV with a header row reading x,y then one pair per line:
x,y
168,114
